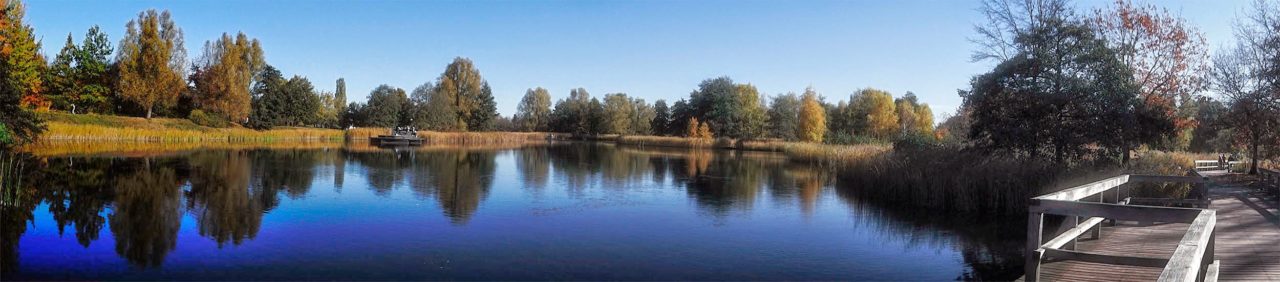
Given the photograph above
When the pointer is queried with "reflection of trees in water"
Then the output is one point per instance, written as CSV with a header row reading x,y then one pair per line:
x,y
147,212
458,179
382,169
290,171
575,164
990,246
221,198
724,181
77,192
534,165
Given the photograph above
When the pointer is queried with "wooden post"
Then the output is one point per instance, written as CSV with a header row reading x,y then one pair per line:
x,y
1034,239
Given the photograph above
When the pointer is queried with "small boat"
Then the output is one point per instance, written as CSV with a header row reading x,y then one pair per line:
x,y
400,136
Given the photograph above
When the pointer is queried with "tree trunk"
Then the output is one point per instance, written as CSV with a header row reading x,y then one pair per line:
x,y
1253,153
148,112
1124,158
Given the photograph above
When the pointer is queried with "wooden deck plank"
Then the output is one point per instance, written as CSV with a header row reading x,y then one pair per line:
x,y
1247,243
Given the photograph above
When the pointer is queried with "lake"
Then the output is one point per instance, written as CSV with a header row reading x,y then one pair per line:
x,y
557,211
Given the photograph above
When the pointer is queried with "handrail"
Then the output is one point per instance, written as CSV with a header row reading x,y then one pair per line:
x,y
1192,260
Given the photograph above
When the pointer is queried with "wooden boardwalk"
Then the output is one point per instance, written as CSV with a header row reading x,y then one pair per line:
x,y
1246,243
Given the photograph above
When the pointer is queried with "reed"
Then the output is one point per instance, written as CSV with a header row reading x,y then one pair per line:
x,y
63,127
835,155
67,132
664,141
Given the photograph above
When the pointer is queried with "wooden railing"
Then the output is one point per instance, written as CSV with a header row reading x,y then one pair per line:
x,y
1215,164
1081,210
1269,178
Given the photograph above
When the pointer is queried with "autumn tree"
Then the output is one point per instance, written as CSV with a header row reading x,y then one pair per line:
x,y
1168,59
20,63
151,60
534,111
812,125
223,75
461,83
879,113
617,114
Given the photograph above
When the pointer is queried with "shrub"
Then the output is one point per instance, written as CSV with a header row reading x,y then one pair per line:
x,y
210,120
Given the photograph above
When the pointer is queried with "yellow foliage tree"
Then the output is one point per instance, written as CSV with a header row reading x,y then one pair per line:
x,y
692,130
924,119
704,131
882,118
151,61
813,118
699,130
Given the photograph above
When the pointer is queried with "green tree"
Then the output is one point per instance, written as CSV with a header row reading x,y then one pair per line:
x,y
93,72
151,61
573,114
281,102
20,63
731,110
642,117
617,114
486,110
340,95
223,76
1063,90
812,118
386,107
784,116
661,118
534,111
60,77
681,113
434,110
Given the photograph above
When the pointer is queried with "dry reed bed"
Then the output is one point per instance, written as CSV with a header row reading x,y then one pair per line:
x,y
64,132
142,149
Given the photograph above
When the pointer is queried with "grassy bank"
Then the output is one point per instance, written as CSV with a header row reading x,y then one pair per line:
x,y
63,127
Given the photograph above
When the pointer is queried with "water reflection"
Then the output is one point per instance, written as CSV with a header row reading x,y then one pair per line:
x,y
228,193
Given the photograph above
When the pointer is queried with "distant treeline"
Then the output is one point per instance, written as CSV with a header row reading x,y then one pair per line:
x,y
1067,86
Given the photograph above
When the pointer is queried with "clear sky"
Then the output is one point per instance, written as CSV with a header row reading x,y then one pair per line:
x,y
648,49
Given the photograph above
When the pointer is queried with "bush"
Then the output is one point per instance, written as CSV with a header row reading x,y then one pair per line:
x,y
5,139
210,120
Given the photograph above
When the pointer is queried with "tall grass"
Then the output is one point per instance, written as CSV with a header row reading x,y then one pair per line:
x,y
950,178
835,155
64,132
63,127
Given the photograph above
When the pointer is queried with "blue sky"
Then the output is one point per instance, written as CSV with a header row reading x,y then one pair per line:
x,y
648,49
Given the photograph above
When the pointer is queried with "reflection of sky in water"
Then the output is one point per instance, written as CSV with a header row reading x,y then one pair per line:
x,y
584,223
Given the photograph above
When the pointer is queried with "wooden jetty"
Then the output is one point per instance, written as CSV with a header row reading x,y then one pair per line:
x,y
1097,232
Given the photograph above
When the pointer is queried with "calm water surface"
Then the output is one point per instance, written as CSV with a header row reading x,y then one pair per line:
x,y
564,211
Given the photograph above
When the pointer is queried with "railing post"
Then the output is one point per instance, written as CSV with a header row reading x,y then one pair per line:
x,y
1035,220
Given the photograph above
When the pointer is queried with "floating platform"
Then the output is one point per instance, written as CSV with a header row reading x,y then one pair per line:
x,y
396,140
